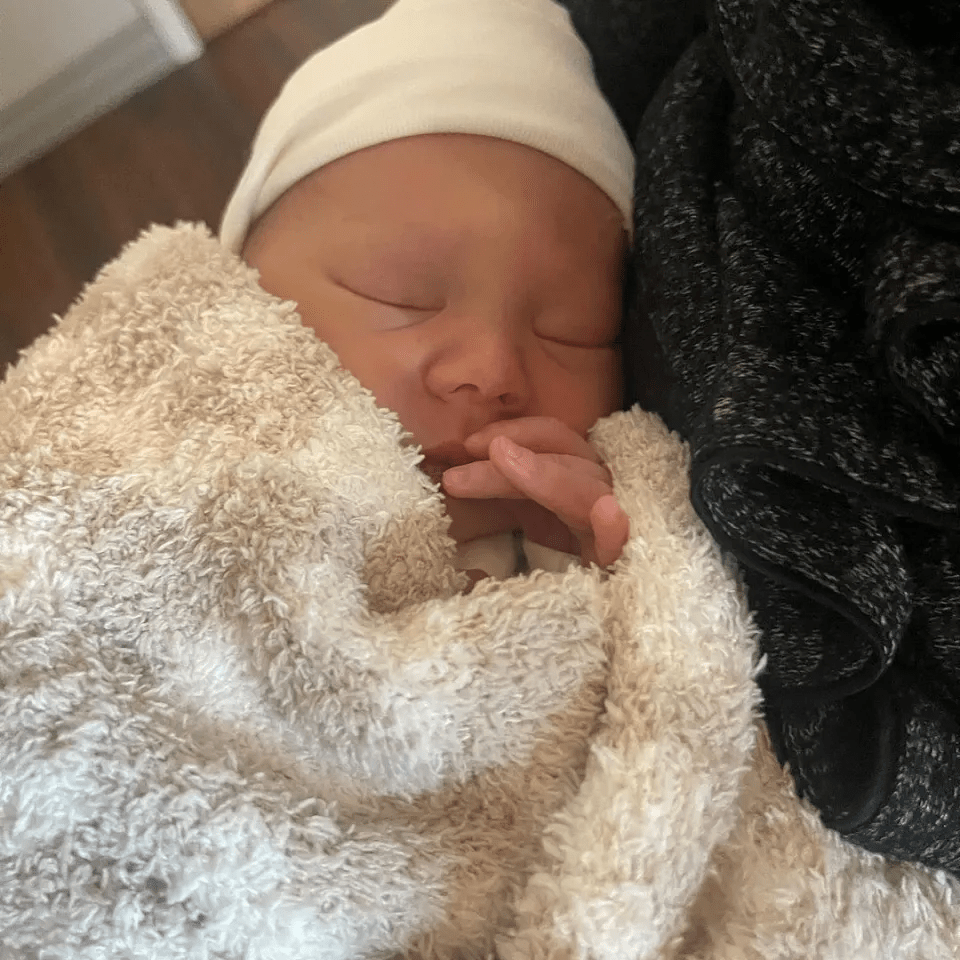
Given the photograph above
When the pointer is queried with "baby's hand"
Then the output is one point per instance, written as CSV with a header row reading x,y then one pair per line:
x,y
564,491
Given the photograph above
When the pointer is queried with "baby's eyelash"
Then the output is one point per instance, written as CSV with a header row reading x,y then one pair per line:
x,y
402,306
389,303
575,346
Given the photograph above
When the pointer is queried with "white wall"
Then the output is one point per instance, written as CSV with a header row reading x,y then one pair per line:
x,y
38,38
64,62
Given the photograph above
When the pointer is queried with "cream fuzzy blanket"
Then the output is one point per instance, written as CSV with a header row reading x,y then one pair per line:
x,y
247,712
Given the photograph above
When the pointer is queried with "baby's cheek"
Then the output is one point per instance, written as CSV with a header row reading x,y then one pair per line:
x,y
392,385
611,381
584,395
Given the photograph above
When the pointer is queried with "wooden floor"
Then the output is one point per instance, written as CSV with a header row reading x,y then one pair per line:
x,y
173,152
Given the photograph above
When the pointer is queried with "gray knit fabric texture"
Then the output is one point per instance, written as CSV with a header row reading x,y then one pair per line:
x,y
798,261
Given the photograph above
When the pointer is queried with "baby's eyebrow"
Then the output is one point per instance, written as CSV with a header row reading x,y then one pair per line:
x,y
418,237
410,245
416,233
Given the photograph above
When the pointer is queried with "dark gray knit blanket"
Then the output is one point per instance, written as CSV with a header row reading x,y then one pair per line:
x,y
797,267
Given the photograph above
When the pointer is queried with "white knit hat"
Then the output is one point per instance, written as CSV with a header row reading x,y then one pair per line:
x,y
511,69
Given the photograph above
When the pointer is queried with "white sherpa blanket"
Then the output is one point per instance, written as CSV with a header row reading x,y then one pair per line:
x,y
247,712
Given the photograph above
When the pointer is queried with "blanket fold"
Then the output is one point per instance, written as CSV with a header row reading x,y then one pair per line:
x,y
247,710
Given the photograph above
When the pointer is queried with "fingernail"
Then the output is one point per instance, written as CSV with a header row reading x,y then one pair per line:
x,y
455,474
520,457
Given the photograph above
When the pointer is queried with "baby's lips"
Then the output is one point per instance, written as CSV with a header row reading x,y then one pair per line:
x,y
443,456
434,470
451,452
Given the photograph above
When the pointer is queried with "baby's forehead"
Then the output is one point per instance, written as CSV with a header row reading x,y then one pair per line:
x,y
449,188
443,246
425,206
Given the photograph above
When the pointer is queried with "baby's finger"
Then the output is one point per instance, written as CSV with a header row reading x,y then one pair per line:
x,y
484,479
553,482
480,480
611,530
540,434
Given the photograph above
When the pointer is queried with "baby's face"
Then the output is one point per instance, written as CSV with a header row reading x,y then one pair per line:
x,y
461,279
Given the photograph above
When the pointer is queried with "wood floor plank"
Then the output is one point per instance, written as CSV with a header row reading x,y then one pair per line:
x,y
172,152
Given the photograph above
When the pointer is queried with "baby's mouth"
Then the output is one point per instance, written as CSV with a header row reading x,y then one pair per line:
x,y
433,470
442,457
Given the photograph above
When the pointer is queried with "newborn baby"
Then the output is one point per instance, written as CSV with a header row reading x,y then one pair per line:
x,y
467,272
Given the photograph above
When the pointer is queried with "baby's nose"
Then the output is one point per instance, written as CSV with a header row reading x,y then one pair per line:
x,y
484,368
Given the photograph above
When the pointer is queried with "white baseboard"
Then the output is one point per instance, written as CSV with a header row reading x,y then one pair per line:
x,y
173,27
115,69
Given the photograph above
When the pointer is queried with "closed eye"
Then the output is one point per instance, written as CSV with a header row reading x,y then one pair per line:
x,y
585,328
394,304
577,345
